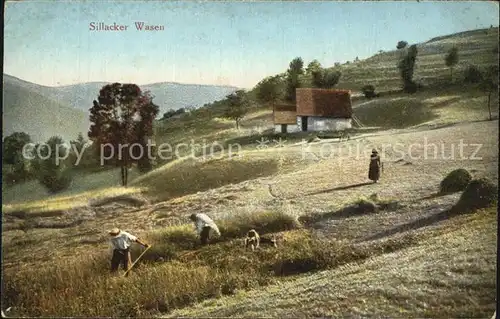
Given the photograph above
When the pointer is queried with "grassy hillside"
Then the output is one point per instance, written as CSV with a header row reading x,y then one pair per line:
x,y
478,47
347,247
40,117
353,239
449,273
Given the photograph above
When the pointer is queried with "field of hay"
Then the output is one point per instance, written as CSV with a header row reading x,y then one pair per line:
x,y
346,246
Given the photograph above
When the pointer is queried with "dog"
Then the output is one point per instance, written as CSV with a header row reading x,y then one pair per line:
x,y
254,240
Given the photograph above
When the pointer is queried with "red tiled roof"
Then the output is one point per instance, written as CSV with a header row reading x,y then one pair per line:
x,y
324,103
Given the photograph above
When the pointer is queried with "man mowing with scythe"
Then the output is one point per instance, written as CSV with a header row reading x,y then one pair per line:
x,y
120,242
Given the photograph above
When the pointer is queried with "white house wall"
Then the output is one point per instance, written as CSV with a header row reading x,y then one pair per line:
x,y
328,124
290,128
316,124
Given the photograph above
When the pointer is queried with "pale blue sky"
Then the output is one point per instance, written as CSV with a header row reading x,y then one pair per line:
x,y
233,43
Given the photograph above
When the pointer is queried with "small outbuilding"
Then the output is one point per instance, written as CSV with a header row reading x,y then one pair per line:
x,y
285,118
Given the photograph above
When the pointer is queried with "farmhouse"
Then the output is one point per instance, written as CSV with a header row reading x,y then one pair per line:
x,y
315,110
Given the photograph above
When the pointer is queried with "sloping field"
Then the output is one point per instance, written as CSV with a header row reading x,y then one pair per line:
x,y
478,47
451,273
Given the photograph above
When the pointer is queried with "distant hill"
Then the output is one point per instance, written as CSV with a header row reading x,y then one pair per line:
x,y
44,111
167,95
25,110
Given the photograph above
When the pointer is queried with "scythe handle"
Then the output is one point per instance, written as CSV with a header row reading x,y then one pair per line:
x,y
133,264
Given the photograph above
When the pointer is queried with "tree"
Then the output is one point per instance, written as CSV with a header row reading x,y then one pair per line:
x,y
12,147
296,66
451,59
82,154
168,114
406,68
144,131
369,91
12,154
121,116
54,174
292,83
401,45
313,66
270,90
489,84
325,78
293,78
236,107
171,113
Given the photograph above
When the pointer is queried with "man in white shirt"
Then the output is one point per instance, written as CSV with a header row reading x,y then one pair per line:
x,y
204,225
120,242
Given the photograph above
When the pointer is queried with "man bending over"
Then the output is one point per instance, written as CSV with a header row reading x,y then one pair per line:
x,y
204,225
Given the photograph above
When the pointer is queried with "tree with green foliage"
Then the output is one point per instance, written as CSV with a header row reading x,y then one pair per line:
x,y
237,106
406,68
171,113
325,78
296,68
451,59
82,154
401,45
314,65
54,173
77,147
122,116
369,91
270,90
12,154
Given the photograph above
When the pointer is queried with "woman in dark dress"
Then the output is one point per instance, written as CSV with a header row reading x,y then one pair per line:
x,y
374,171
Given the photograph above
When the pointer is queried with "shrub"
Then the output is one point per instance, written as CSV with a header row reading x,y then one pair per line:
x,y
472,75
54,174
455,181
479,193
56,181
369,91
